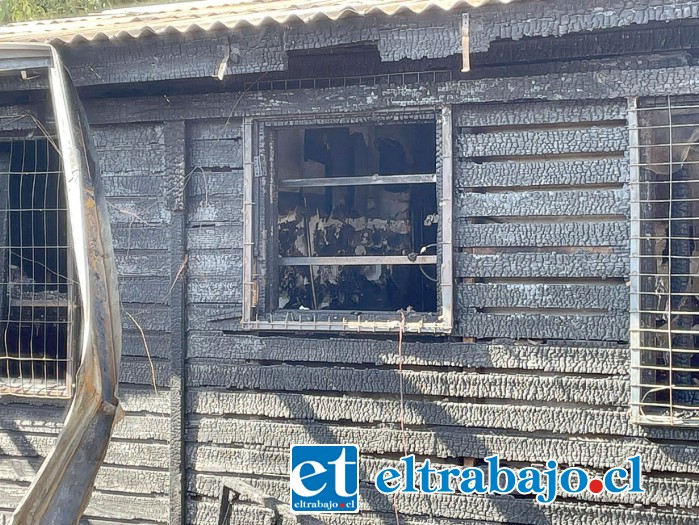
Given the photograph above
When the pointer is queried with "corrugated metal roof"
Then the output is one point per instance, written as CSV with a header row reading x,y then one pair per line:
x,y
207,14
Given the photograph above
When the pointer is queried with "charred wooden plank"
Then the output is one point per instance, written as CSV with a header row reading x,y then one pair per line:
x,y
216,289
599,327
600,392
134,235
547,264
580,358
142,264
545,142
612,84
528,113
543,203
207,236
216,208
507,174
361,409
615,233
614,298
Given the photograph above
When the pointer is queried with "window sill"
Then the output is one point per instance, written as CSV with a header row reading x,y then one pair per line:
x,y
357,322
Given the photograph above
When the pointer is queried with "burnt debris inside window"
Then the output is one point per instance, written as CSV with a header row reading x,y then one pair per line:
x,y
357,217
665,292
38,299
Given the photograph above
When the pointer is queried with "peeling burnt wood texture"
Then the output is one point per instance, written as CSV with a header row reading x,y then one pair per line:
x,y
525,173
548,264
402,36
575,358
583,214
541,234
543,203
214,219
612,297
605,392
359,409
251,50
175,188
549,142
559,18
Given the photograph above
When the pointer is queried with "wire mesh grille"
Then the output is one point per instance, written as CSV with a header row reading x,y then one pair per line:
x,y
387,79
38,291
665,261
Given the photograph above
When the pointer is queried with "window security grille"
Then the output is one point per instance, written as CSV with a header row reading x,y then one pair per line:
x,y
38,294
664,159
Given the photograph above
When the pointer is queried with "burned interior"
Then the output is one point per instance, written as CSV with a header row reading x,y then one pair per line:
x,y
667,295
357,217
37,306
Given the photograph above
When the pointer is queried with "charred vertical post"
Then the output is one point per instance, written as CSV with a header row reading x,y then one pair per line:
x,y
175,190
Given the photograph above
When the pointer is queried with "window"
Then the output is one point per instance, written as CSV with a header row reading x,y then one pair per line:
x,y
665,260
348,223
38,299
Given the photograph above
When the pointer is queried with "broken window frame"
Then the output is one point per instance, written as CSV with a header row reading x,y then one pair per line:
x,y
259,231
657,390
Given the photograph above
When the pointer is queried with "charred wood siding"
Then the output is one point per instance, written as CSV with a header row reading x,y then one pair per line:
x,y
133,485
214,222
542,221
542,261
251,397
541,265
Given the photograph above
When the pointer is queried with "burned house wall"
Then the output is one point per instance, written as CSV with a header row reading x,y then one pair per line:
x,y
541,252
133,484
541,368
537,367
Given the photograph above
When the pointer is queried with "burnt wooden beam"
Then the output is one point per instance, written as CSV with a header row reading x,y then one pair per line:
x,y
540,172
544,265
607,84
572,357
454,442
531,19
608,391
174,137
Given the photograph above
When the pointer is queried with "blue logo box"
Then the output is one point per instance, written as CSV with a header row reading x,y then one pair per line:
x,y
324,479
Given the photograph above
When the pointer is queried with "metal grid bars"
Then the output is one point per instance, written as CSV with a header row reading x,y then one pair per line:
x,y
37,289
665,260
388,79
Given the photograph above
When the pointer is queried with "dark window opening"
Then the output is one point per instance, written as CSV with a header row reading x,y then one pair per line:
x,y
37,301
357,218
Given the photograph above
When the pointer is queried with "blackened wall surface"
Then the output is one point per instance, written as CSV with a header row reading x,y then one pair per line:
x,y
133,484
537,367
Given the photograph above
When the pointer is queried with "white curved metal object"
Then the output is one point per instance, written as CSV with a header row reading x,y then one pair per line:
x,y
62,487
